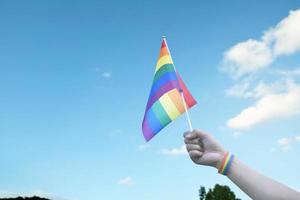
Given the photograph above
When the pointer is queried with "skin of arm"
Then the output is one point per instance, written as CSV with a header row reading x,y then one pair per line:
x,y
205,150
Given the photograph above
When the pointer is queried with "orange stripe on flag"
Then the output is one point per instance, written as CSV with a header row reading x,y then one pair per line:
x,y
163,52
176,98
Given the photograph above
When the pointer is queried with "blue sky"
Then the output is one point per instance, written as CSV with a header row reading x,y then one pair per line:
x,y
75,78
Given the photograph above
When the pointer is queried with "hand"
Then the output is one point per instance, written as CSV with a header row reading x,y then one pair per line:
x,y
203,149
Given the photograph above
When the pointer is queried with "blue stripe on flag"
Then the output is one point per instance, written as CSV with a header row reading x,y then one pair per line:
x,y
167,77
153,122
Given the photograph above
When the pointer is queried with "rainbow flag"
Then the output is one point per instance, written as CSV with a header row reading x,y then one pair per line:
x,y
165,102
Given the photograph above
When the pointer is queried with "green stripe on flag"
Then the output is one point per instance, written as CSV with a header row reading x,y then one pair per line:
x,y
164,69
160,113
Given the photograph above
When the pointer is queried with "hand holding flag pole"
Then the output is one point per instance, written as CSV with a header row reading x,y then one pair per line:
x,y
169,97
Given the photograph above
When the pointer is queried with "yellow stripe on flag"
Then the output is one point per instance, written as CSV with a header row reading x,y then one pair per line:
x,y
162,61
169,106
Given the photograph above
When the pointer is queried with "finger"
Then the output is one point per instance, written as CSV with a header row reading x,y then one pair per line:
x,y
186,133
191,147
194,141
195,134
190,135
195,155
200,134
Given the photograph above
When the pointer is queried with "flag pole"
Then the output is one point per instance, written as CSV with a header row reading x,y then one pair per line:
x,y
181,92
186,111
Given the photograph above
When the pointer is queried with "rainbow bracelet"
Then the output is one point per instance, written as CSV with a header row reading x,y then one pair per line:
x,y
226,163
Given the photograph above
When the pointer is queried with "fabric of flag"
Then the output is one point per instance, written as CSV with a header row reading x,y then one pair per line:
x,y
165,103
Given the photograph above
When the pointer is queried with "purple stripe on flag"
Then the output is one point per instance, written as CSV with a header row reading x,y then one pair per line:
x,y
165,88
147,132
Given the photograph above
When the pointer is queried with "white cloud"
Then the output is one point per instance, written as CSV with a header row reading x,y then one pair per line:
x,y
286,143
263,89
239,90
273,100
9,194
40,193
285,36
243,89
269,106
106,75
252,55
127,181
246,57
288,73
102,72
175,151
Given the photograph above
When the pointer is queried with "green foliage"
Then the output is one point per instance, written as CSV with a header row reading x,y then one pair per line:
x,y
219,192
223,192
202,193
25,198
210,195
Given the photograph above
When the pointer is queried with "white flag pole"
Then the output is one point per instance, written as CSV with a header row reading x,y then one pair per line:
x,y
181,92
186,111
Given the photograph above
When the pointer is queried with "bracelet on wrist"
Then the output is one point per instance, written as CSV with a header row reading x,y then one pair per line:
x,y
226,163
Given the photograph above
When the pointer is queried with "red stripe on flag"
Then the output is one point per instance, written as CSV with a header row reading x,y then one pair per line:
x,y
163,44
189,99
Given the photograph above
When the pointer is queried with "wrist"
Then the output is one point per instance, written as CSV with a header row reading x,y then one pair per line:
x,y
220,158
225,164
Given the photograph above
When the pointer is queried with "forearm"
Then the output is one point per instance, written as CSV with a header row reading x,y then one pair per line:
x,y
204,150
258,186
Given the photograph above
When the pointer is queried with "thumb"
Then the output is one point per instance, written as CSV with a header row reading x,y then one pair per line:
x,y
195,134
